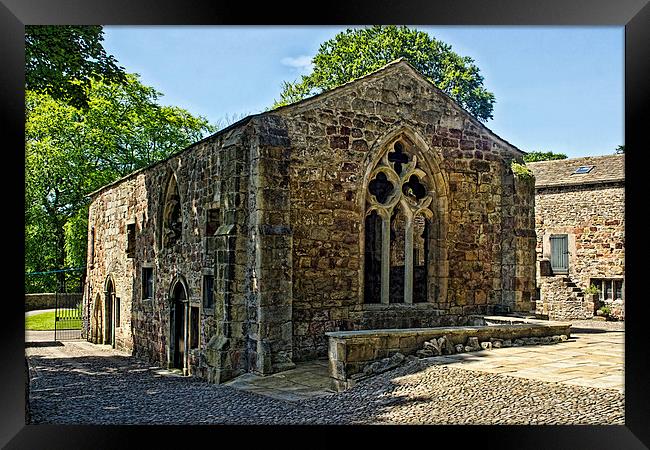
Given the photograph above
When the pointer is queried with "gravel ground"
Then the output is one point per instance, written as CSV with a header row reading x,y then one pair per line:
x,y
102,387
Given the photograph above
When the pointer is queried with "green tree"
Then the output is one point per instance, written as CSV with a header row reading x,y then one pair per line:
x,y
62,60
357,52
72,152
543,156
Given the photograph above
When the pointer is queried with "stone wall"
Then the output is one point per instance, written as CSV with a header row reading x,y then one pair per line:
x,y
335,141
523,246
593,217
138,199
560,303
238,178
48,300
270,251
226,328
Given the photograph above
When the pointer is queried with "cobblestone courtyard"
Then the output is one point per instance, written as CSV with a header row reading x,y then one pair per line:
x,y
576,382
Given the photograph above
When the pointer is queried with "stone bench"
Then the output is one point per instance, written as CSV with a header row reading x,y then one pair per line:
x,y
351,351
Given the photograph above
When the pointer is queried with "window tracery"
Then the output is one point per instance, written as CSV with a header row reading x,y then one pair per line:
x,y
398,227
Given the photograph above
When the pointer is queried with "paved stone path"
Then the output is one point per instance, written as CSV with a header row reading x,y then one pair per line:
x,y
82,383
308,380
593,357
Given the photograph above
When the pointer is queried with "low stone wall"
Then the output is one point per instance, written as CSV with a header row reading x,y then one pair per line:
x,y
617,308
48,300
351,351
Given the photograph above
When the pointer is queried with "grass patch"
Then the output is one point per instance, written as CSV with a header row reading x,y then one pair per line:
x,y
45,322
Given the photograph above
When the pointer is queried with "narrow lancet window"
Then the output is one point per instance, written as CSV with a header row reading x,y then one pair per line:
x,y
172,215
372,286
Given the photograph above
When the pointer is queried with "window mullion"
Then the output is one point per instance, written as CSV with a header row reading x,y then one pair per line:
x,y
408,257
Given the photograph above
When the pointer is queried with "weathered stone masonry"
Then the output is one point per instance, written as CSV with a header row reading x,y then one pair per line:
x,y
335,143
590,210
285,196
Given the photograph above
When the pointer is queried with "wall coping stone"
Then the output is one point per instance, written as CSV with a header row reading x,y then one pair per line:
x,y
351,351
509,322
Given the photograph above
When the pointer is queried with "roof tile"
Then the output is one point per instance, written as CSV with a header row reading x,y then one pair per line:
x,y
562,172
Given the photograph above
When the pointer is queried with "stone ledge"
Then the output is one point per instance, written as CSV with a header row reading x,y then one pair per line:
x,y
351,351
525,320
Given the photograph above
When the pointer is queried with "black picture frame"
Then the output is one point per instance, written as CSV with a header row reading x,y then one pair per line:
x,y
633,14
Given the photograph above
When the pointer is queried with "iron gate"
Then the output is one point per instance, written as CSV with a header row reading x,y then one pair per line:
x,y
66,286
67,316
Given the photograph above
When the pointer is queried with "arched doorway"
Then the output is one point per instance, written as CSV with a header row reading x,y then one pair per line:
x,y
109,313
179,327
97,325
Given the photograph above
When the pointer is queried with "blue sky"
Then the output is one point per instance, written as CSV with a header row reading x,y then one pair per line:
x,y
557,89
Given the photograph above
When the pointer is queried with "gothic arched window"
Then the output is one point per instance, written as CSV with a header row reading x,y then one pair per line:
x,y
172,223
399,227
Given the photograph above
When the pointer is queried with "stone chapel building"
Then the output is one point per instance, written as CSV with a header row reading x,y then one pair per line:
x,y
580,226
378,204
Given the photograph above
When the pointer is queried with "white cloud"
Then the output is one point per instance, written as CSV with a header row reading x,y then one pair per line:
x,y
301,63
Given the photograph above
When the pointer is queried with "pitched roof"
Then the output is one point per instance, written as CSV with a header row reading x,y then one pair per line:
x,y
604,169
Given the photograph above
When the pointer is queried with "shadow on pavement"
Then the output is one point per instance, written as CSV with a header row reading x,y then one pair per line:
x,y
592,331
44,344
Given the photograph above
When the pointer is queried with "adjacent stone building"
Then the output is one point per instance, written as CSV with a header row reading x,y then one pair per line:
x,y
378,204
580,225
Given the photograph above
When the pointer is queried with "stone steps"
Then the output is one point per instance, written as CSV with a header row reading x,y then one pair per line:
x,y
573,288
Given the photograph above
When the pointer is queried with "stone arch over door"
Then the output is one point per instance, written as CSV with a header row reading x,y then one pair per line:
x,y
404,199
108,312
178,343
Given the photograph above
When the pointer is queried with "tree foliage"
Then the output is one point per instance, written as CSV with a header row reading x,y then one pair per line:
x,y
522,172
72,152
357,52
543,156
62,61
